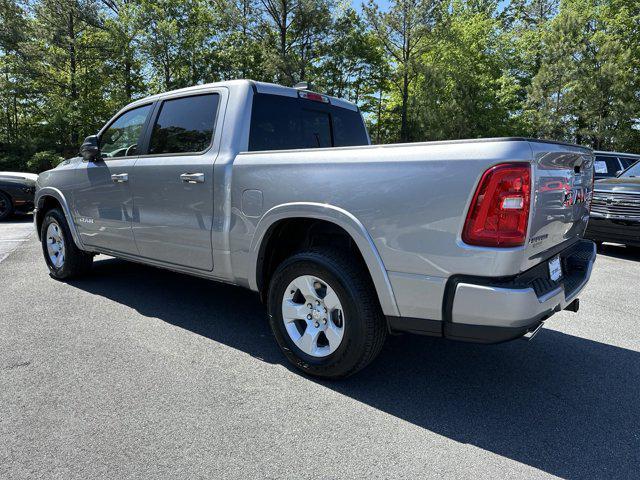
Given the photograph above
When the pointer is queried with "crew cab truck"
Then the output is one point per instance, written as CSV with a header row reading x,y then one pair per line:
x,y
278,190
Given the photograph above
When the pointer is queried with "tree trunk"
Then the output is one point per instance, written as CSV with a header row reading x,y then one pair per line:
x,y
128,88
404,129
379,122
167,70
73,87
245,19
283,44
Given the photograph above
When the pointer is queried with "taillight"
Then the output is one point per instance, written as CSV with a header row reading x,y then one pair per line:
x,y
499,213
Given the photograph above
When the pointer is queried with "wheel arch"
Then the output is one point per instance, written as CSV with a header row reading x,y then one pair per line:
x,y
336,217
48,198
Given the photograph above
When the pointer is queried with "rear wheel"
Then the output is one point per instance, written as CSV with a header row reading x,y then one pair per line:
x,y
63,258
6,206
324,313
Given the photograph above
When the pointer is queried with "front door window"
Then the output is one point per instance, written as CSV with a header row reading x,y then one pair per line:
x,y
122,137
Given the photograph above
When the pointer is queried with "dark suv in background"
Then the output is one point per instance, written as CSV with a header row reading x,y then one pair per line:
x,y
16,193
615,209
611,164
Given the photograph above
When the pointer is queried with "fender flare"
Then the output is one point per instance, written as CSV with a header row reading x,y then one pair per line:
x,y
341,218
52,192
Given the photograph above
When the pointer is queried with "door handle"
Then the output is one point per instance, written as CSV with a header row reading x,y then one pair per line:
x,y
192,177
120,178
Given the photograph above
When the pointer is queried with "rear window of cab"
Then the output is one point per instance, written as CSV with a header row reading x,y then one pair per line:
x,y
286,123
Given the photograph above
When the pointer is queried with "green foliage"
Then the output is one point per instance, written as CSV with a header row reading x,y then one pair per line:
x,y
419,70
463,91
404,31
42,161
587,86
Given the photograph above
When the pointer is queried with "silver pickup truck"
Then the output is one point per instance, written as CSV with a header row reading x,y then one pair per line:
x,y
278,190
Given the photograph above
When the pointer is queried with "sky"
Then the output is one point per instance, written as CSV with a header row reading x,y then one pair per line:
x,y
383,4
357,4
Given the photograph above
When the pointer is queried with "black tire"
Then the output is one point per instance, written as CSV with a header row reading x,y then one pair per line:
x,y
6,206
76,262
364,326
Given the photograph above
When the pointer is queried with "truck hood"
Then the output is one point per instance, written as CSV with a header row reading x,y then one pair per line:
x,y
620,184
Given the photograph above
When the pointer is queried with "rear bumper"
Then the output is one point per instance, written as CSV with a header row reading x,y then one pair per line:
x,y
494,311
601,229
490,310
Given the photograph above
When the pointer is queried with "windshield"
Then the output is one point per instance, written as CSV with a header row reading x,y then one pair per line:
x,y
632,171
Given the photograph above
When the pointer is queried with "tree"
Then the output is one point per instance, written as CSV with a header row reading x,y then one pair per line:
x,y
240,52
351,61
586,90
465,89
403,31
12,82
294,33
175,40
123,61
419,70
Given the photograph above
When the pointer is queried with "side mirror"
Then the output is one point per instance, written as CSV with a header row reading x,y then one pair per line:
x,y
90,150
618,172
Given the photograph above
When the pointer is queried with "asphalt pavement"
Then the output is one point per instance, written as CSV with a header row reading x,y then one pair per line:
x,y
134,372
14,231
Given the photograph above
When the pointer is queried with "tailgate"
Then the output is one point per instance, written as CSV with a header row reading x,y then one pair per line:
x,y
562,190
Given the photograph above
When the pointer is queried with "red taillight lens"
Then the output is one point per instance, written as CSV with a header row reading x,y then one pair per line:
x,y
316,97
499,213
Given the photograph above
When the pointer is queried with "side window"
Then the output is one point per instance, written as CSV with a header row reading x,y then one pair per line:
x,y
627,161
122,136
606,166
184,125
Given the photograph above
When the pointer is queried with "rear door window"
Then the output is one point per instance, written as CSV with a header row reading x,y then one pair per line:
x,y
184,125
605,166
627,161
285,123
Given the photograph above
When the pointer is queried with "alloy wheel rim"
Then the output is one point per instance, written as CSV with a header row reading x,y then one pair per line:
x,y
313,316
3,205
55,245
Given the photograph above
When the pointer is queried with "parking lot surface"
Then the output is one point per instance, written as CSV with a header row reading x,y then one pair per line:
x,y
13,232
134,372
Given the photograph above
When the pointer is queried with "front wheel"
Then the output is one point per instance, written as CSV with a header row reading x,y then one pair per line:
x,y
63,258
324,313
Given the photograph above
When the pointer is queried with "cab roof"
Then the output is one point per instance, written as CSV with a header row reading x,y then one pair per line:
x,y
257,87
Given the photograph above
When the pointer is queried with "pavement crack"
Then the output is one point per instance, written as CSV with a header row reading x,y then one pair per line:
x,y
18,365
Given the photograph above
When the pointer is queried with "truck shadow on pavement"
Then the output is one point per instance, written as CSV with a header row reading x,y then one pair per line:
x,y
562,404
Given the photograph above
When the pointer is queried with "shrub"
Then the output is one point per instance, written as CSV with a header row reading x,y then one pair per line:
x,y
11,162
45,160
